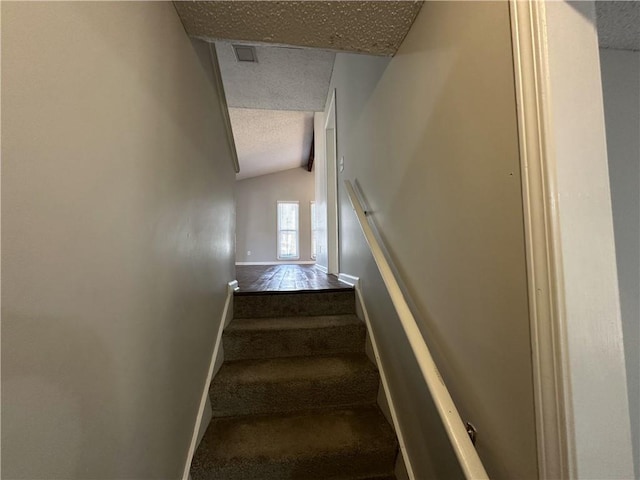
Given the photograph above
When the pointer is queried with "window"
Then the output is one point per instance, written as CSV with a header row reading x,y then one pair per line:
x,y
314,231
288,231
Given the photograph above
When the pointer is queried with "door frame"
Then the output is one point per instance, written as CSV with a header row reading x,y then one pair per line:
x,y
331,164
567,219
544,258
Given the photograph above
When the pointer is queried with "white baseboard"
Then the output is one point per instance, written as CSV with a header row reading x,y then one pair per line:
x,y
348,279
322,268
207,415
289,262
201,418
383,378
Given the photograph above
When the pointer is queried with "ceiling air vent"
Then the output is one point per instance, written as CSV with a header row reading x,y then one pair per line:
x,y
245,53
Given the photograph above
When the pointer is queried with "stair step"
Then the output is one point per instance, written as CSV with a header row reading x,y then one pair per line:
x,y
350,443
297,383
291,304
384,477
247,338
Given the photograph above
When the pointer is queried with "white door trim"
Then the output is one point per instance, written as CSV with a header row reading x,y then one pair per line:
x,y
332,187
555,436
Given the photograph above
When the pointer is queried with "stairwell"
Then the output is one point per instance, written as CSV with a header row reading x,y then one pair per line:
x,y
296,395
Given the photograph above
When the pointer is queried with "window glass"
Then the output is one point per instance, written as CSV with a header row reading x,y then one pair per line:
x,y
314,231
288,230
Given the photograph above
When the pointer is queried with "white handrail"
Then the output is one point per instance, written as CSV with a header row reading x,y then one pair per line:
x,y
453,424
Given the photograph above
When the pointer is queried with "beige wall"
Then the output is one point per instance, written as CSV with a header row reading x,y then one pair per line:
x,y
256,200
117,238
431,139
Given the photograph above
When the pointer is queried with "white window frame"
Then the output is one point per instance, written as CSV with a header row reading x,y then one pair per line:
x,y
278,230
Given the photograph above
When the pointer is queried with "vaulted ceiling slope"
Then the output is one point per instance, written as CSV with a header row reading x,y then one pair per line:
x,y
376,27
619,24
270,140
272,103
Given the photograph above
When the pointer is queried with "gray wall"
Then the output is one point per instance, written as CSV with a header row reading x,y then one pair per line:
x,y
256,220
431,138
621,89
117,238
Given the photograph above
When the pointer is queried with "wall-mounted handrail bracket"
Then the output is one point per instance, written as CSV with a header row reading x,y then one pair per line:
x,y
473,433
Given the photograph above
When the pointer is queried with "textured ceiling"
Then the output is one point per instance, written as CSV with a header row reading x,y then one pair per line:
x,y
376,27
619,24
282,79
270,140
272,102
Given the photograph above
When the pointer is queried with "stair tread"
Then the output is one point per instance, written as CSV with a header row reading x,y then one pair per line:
x,y
382,477
292,304
290,323
292,369
293,291
293,436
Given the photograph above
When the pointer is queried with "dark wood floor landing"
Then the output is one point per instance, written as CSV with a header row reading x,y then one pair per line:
x,y
285,278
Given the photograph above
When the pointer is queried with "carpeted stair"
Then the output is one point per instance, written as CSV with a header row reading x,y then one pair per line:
x,y
296,395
